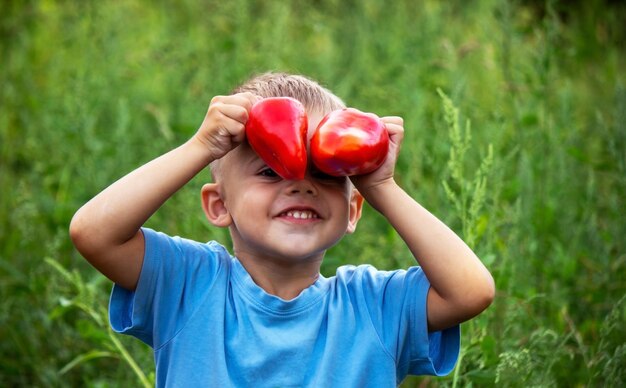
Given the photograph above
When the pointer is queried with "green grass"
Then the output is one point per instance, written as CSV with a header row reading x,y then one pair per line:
x,y
523,152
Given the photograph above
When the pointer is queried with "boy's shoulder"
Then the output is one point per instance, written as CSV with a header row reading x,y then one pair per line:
x,y
368,272
177,256
366,279
161,239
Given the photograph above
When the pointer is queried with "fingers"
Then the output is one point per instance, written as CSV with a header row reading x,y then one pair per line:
x,y
395,128
397,120
394,124
229,114
236,106
246,99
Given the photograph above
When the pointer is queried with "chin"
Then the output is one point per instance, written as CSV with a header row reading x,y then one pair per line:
x,y
299,253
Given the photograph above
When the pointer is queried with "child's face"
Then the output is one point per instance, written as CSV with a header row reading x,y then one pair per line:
x,y
277,219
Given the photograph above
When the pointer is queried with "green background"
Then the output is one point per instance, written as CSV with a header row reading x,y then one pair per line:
x,y
523,153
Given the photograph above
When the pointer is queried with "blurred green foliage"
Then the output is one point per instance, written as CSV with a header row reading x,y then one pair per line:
x,y
89,90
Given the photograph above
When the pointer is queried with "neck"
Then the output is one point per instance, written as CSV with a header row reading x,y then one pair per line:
x,y
285,281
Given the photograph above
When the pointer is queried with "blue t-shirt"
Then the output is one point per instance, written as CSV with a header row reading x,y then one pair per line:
x,y
210,325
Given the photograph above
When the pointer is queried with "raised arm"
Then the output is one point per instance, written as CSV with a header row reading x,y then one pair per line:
x,y
106,230
461,286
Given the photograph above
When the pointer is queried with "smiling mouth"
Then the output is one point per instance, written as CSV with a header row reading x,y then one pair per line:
x,y
300,214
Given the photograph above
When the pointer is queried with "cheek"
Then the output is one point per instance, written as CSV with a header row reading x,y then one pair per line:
x,y
253,200
341,201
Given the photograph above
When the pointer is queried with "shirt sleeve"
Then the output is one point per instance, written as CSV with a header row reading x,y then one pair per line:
x,y
165,297
398,310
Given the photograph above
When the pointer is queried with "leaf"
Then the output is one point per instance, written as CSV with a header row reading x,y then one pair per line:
x,y
84,358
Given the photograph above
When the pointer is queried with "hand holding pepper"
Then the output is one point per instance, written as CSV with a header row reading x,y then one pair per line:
x,y
223,126
384,174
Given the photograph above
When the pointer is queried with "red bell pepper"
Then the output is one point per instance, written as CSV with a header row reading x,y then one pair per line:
x,y
349,142
277,130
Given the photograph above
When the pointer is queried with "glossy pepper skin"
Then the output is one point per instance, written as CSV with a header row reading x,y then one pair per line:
x,y
276,130
349,142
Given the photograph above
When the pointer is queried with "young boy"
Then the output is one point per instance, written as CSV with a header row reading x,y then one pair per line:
x,y
265,316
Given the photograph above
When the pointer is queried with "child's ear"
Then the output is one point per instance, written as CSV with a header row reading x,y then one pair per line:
x,y
356,207
214,207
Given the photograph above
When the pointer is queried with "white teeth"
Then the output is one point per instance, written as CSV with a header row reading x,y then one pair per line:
x,y
301,214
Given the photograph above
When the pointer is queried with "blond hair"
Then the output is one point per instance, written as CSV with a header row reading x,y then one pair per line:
x,y
311,94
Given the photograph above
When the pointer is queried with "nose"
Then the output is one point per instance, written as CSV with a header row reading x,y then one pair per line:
x,y
302,186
